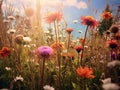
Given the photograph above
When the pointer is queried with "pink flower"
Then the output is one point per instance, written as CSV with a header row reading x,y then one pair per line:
x,y
69,30
53,16
78,48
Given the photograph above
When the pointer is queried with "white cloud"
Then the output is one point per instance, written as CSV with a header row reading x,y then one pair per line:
x,y
58,3
81,5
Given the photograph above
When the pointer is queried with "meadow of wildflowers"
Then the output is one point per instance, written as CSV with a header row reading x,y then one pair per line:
x,y
32,58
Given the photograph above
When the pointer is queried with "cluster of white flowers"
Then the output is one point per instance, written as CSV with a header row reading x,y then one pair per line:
x,y
107,85
48,87
19,78
113,63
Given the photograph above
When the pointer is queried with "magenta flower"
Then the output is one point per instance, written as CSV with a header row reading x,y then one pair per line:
x,y
45,51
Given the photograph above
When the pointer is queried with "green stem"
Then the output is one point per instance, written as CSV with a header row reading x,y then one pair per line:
x,y
68,43
84,44
59,79
42,74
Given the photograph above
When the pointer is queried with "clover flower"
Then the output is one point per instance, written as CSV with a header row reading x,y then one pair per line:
x,y
45,51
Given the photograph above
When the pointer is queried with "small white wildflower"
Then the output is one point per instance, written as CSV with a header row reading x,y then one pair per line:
x,y
27,46
33,45
48,87
60,36
11,31
110,86
4,89
8,68
19,78
86,46
113,63
47,32
27,39
6,21
79,31
101,61
49,37
74,41
11,17
65,51
75,21
106,81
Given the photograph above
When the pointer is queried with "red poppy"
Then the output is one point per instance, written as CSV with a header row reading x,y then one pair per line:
x,y
112,44
89,20
106,15
69,30
78,48
53,16
5,51
85,72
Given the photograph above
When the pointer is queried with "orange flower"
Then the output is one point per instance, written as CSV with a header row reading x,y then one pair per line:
x,y
53,16
107,15
57,45
5,51
68,55
81,40
71,55
85,72
69,30
89,20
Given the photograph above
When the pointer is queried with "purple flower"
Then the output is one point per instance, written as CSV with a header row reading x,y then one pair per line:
x,y
45,51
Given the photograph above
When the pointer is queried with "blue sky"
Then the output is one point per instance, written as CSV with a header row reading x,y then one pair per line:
x,y
73,13
72,9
